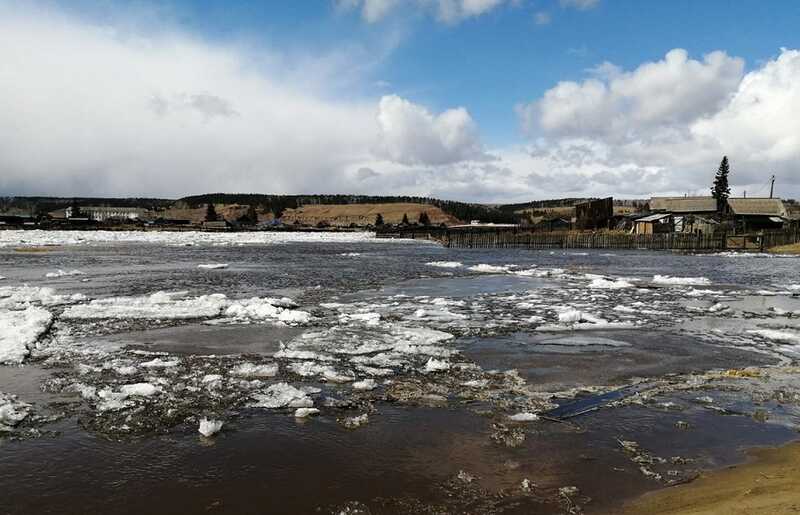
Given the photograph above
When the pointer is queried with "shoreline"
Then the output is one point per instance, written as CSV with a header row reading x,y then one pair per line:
x,y
768,481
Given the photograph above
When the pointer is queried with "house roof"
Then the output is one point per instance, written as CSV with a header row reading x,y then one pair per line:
x,y
757,206
654,218
683,204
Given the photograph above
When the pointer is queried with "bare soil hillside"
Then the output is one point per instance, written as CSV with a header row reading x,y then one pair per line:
x,y
365,214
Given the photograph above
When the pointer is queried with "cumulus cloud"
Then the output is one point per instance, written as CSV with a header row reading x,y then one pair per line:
x,y
447,11
410,134
663,127
616,105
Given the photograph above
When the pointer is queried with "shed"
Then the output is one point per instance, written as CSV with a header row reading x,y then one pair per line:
x,y
654,224
758,213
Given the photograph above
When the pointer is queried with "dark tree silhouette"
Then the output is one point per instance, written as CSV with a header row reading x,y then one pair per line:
x,y
405,219
379,219
76,209
721,191
423,219
211,213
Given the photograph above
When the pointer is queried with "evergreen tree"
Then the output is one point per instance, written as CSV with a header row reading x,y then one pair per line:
x,y
76,209
423,219
378,220
721,191
250,217
211,213
405,219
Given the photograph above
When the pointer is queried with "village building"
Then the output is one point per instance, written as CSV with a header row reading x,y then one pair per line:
x,y
594,214
102,213
756,214
654,224
682,206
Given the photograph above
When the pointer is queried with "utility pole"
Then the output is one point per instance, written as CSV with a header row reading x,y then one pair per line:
x,y
771,186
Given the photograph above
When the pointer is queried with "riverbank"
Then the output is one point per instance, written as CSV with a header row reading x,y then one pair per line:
x,y
786,249
768,483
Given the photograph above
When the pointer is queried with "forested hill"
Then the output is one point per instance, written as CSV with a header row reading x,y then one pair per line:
x,y
278,203
36,205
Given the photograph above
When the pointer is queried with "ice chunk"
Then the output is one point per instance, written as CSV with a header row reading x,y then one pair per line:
x,y
491,269
365,384
666,279
12,412
436,365
570,316
355,422
213,266
63,273
446,264
305,412
253,370
607,284
159,305
282,395
209,427
524,417
19,330
139,390
161,363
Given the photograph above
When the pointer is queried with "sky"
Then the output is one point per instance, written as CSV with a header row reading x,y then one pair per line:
x,y
478,100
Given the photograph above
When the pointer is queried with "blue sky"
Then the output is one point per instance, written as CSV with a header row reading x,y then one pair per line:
x,y
491,66
492,62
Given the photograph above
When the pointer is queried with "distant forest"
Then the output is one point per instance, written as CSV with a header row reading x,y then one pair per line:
x,y
277,204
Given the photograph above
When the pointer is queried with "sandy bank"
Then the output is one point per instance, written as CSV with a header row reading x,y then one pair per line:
x,y
768,483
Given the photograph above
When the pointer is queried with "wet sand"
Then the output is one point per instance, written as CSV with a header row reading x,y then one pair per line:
x,y
768,483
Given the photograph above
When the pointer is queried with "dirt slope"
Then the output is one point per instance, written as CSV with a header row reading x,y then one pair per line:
x,y
364,214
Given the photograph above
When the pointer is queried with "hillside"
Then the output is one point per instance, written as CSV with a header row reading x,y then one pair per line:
x,y
365,214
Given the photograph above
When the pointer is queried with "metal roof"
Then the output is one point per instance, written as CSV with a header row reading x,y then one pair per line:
x,y
683,204
757,206
654,218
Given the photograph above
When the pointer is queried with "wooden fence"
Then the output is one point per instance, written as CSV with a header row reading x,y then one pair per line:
x,y
520,238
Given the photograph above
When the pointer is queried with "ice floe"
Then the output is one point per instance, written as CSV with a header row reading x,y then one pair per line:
x,y
12,412
282,395
63,273
694,281
19,330
446,264
253,370
40,237
213,266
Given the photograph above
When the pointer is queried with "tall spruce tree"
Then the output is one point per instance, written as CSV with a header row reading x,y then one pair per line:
x,y
423,219
721,191
378,219
405,219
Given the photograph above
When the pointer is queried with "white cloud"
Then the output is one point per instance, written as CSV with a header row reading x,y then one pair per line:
x,y
409,134
89,110
657,95
663,127
446,11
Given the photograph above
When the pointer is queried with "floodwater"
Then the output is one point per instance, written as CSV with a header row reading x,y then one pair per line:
x,y
416,357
